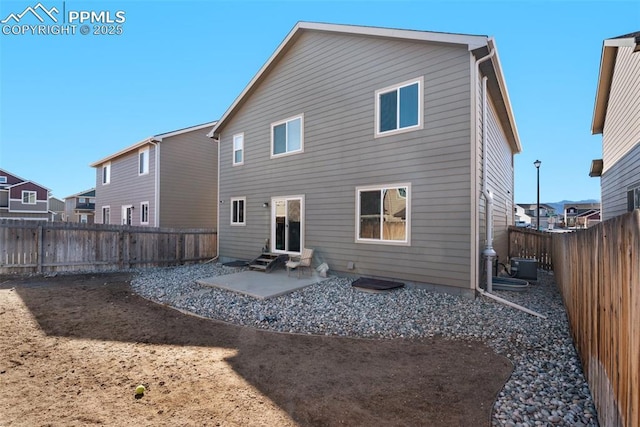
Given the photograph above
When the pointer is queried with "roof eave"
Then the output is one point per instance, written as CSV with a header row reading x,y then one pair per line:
x,y
513,136
161,136
156,138
605,74
135,146
471,41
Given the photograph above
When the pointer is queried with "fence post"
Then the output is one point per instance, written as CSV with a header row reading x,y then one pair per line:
x,y
39,250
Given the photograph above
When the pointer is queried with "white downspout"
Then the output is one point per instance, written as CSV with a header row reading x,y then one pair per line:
x,y
156,195
488,251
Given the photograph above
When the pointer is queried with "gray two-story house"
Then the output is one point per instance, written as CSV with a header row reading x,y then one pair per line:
x,y
616,116
167,180
378,148
80,207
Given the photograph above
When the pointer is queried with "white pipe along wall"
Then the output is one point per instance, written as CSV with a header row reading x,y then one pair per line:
x,y
488,251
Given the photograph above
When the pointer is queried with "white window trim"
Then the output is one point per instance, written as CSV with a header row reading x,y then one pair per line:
x,y
233,151
244,216
289,153
420,125
3,179
141,212
35,197
407,241
124,212
103,208
105,179
145,164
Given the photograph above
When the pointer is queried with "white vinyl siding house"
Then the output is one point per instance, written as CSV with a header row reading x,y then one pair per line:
x,y
617,117
386,180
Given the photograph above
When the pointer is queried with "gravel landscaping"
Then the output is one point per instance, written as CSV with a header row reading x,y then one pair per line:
x,y
547,386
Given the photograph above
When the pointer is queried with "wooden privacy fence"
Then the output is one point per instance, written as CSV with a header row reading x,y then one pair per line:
x,y
598,272
527,243
36,247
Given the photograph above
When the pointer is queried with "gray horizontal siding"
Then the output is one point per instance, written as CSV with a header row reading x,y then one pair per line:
x,y
621,134
622,124
188,181
617,180
332,79
126,188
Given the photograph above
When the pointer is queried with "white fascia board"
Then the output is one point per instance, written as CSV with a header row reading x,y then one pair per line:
x,y
155,138
471,41
505,93
161,136
18,184
121,152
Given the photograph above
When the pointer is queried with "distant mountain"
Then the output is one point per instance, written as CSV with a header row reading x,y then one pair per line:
x,y
559,206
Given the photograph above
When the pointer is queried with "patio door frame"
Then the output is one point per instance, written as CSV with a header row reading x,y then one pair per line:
x,y
127,214
287,199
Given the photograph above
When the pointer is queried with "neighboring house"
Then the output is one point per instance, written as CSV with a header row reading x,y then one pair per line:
x,y
81,207
366,144
167,180
23,199
581,215
547,214
56,209
616,116
521,218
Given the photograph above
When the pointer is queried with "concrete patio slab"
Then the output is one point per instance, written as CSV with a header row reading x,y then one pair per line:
x,y
261,285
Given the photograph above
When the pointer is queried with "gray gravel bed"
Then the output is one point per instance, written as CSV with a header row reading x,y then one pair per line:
x,y
547,387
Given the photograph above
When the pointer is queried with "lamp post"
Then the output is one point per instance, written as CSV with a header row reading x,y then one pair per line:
x,y
537,164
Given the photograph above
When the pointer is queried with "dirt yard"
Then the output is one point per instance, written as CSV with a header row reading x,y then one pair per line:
x,y
74,348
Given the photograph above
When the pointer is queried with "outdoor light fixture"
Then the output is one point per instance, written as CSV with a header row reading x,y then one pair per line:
x,y
537,164
265,205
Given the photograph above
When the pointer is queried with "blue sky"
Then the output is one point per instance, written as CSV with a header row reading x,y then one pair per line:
x,y
69,100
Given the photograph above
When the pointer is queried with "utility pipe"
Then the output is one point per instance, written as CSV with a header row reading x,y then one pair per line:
x,y
488,251
156,179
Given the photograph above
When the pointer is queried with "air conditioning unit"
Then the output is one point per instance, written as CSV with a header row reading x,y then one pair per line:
x,y
524,268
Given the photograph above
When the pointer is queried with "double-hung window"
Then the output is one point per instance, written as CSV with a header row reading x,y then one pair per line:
x,y
238,149
143,161
106,214
383,214
106,173
238,211
633,198
287,136
399,108
29,197
144,213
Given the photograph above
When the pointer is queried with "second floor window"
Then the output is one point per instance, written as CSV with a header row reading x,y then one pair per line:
x,y
287,136
399,108
238,149
106,173
143,161
29,197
